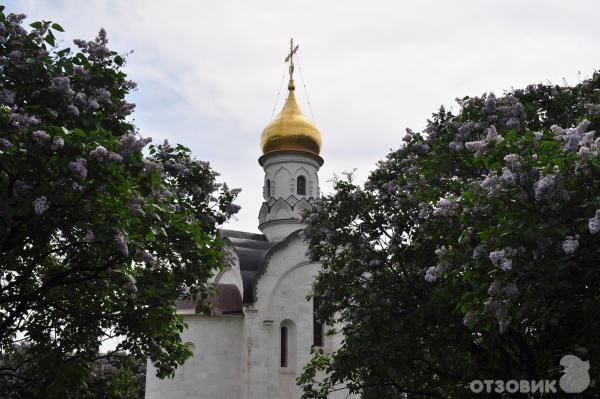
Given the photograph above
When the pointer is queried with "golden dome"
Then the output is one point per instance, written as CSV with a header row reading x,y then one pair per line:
x,y
291,130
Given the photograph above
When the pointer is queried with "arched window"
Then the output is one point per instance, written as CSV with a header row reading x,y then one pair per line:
x,y
317,325
268,184
301,185
284,346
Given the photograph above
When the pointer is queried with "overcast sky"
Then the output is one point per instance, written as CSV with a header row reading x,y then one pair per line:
x,y
209,71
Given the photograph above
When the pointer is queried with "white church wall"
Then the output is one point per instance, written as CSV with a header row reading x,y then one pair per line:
x,y
214,370
281,301
284,168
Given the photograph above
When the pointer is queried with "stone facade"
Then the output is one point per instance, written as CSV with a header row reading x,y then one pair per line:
x,y
239,355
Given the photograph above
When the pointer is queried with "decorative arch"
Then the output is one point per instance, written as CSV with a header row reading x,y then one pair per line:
x,y
282,170
279,181
301,206
280,209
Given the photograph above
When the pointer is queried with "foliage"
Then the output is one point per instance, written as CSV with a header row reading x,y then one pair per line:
x,y
114,376
472,251
97,240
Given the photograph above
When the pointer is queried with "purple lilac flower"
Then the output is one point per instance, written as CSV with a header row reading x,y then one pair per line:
x,y
475,146
61,85
40,136
150,166
500,259
130,142
557,130
113,157
583,125
147,257
587,139
513,123
572,138
131,284
433,273
22,120
491,184
444,207
570,244
135,205
490,104
79,168
102,96
232,209
80,98
57,143
80,70
593,109
455,146
421,148
121,244
7,97
4,144
492,134
508,178
40,205
549,187
126,108
513,161
72,110
594,223
408,136
93,104
585,153
89,236
99,153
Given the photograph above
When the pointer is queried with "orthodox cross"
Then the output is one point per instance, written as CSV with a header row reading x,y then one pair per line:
x,y
290,58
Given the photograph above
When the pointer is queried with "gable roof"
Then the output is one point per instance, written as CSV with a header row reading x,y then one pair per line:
x,y
253,251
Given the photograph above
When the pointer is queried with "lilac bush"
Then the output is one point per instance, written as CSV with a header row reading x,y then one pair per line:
x,y
100,232
510,187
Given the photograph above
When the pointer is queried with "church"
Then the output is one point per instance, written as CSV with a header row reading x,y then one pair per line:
x,y
262,328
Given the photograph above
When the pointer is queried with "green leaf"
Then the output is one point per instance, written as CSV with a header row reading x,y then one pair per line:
x,y
36,24
119,60
50,39
63,51
79,133
57,27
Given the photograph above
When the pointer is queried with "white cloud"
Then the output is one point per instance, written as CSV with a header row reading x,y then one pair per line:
x,y
208,71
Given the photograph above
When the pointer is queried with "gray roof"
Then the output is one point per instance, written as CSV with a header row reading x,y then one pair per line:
x,y
253,251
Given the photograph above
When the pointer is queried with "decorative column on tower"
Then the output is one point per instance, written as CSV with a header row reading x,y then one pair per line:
x,y
291,145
